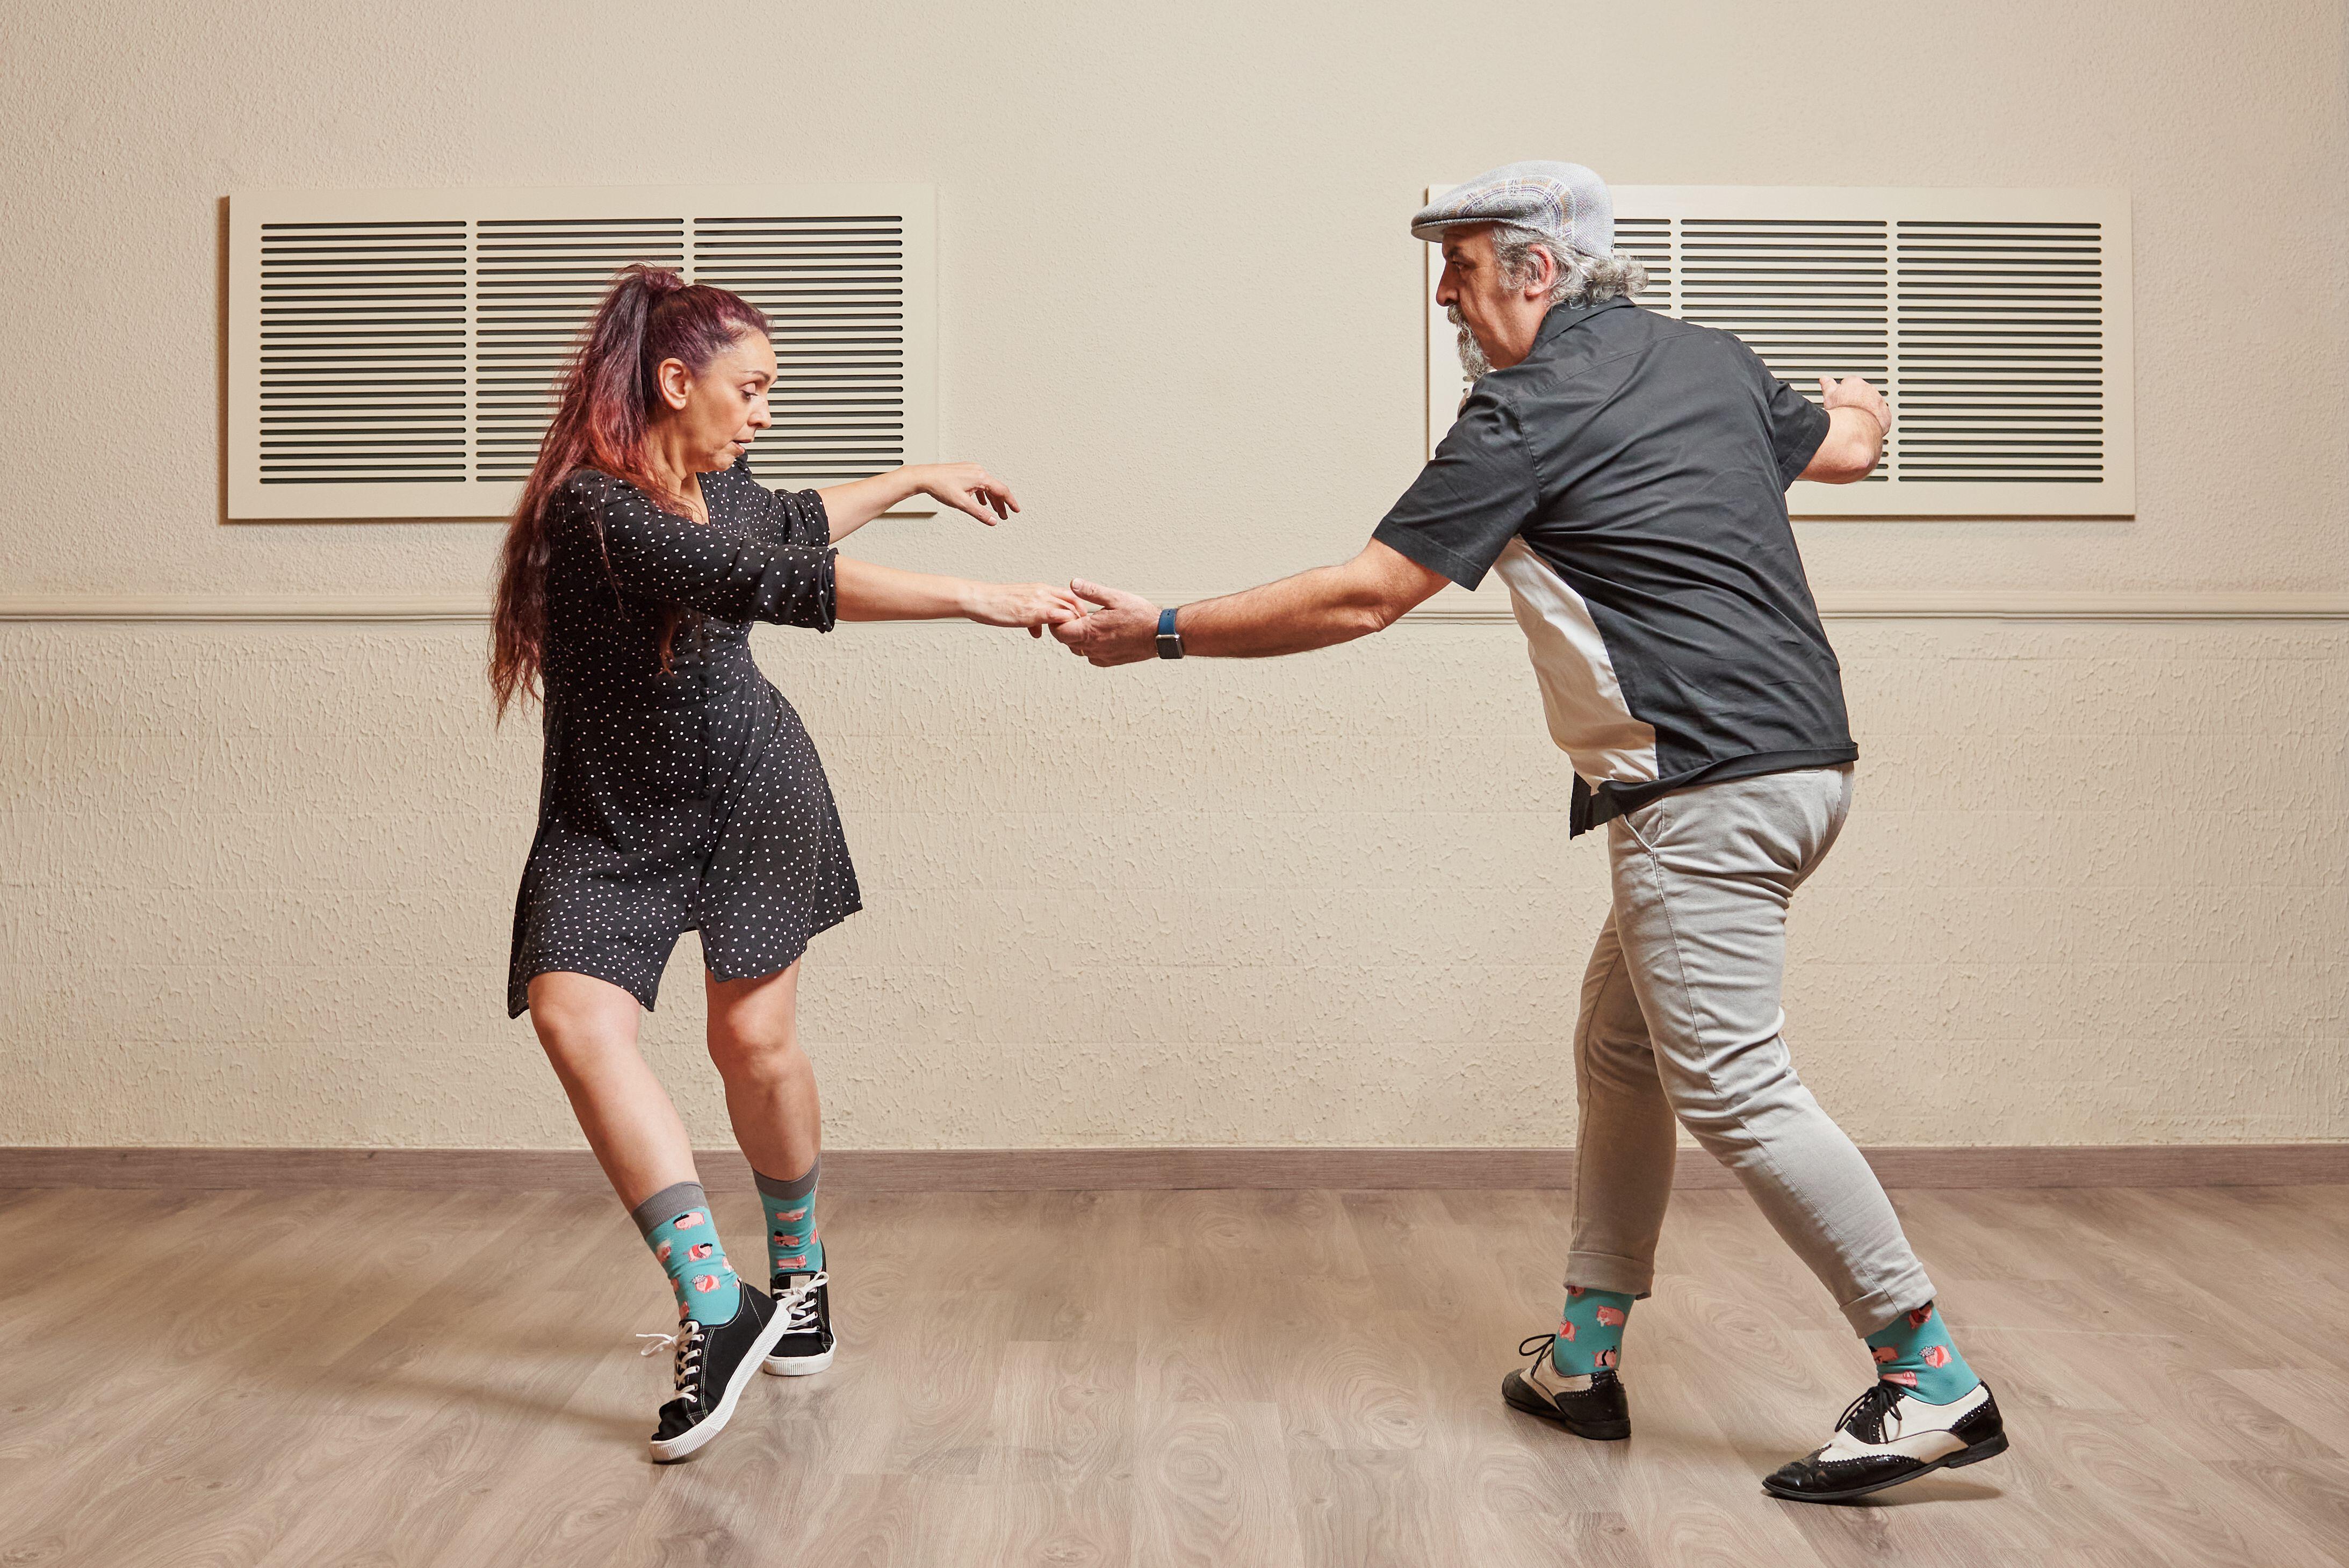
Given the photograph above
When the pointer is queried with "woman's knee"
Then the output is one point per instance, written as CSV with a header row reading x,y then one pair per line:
x,y
581,1025
758,1056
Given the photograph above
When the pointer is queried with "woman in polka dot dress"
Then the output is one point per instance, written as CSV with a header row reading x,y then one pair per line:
x,y
680,791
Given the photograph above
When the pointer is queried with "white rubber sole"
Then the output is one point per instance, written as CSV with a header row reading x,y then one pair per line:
x,y
799,1366
691,1441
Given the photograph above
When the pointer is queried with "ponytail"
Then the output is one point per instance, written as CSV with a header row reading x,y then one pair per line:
x,y
608,399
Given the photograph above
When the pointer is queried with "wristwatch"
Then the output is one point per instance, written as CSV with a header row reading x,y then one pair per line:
x,y
1170,640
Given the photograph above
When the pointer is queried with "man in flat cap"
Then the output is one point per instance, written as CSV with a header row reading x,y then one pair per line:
x,y
1627,473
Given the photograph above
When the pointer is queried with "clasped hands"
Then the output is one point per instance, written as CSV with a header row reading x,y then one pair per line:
x,y
1106,625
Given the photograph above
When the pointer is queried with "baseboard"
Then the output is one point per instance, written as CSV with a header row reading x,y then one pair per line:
x,y
856,1170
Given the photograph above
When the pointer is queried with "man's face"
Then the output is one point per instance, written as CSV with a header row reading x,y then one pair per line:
x,y
1497,320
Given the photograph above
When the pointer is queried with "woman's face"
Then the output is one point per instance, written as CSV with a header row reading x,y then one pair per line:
x,y
715,413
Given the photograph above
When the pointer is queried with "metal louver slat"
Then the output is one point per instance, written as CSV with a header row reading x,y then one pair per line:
x,y
1651,240
1811,297
536,283
834,291
397,354
360,353
2001,353
1997,322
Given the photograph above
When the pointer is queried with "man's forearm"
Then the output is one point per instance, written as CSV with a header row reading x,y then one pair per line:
x,y
1862,436
1850,449
1315,609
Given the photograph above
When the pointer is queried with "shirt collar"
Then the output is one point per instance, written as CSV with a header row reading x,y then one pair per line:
x,y
1563,318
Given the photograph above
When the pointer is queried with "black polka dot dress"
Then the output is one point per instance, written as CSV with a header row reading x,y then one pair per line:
x,y
686,799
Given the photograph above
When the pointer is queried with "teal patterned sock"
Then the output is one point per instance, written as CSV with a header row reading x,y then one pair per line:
x,y
1915,1351
793,1243
1589,1331
678,1227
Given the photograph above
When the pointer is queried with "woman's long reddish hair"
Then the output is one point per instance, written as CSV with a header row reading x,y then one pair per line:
x,y
609,397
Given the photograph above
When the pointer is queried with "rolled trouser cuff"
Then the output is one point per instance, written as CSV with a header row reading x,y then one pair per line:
x,y
1610,1271
1877,1307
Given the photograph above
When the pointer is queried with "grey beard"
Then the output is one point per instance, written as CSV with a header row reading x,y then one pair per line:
x,y
1472,354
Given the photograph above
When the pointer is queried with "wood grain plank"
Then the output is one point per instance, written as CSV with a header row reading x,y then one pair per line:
x,y
867,1171
1213,1488
387,1375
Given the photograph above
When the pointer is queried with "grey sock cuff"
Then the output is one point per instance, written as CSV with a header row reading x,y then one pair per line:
x,y
667,1203
798,1187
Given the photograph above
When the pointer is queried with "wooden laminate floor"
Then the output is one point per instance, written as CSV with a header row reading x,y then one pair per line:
x,y
1224,1377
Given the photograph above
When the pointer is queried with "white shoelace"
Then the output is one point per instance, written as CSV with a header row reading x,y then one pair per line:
x,y
689,1340
798,1304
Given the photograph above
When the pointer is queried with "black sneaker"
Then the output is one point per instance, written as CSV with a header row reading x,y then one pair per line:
x,y
713,1368
1592,1405
804,1302
1888,1436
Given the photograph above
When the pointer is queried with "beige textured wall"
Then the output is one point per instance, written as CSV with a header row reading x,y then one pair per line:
x,y
256,878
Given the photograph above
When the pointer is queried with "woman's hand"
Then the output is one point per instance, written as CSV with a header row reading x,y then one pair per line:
x,y
1034,605
966,487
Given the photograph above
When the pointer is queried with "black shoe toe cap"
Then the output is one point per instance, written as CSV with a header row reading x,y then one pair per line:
x,y
1811,1477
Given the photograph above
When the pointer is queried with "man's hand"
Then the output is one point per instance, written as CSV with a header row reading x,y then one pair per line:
x,y
1120,629
1858,419
1853,392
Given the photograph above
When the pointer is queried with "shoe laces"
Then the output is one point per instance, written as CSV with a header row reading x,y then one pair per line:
x,y
1865,1416
798,1304
689,1341
1537,1346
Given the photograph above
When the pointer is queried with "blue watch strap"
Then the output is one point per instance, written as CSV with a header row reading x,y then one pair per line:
x,y
1170,640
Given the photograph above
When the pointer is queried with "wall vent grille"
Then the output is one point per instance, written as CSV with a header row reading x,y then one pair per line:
x,y
394,353
360,349
1996,321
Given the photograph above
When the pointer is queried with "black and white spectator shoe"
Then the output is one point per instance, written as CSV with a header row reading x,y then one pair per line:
x,y
714,1364
804,1301
1888,1436
1591,1405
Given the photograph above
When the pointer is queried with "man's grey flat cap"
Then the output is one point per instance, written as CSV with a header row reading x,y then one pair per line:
x,y
1565,201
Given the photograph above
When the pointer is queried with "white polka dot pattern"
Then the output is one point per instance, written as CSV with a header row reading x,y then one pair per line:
x,y
689,800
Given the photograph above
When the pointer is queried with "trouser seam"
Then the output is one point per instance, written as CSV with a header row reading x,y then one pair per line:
x,y
1679,978
1583,1032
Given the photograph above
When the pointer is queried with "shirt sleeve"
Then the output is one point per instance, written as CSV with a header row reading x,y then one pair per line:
x,y
656,554
798,517
1797,426
785,517
1472,497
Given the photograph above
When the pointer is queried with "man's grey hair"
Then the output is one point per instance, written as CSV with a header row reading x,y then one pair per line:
x,y
1581,280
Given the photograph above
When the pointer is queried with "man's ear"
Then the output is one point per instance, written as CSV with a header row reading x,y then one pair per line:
x,y
1544,276
675,381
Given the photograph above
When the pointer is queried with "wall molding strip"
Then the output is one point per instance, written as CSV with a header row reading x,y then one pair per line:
x,y
1883,604
868,1171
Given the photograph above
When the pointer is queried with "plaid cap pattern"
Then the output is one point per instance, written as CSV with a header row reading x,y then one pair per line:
x,y
1565,201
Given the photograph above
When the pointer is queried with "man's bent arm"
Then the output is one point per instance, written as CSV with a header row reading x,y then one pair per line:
x,y
1858,421
1849,451
1311,610
1315,609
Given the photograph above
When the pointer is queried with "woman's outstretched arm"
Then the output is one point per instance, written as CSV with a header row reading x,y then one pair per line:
x,y
871,593
966,487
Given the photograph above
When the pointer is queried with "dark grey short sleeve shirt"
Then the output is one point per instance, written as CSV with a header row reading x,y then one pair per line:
x,y
1627,479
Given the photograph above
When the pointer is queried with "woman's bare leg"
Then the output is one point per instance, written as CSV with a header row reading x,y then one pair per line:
x,y
770,1082
589,1029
